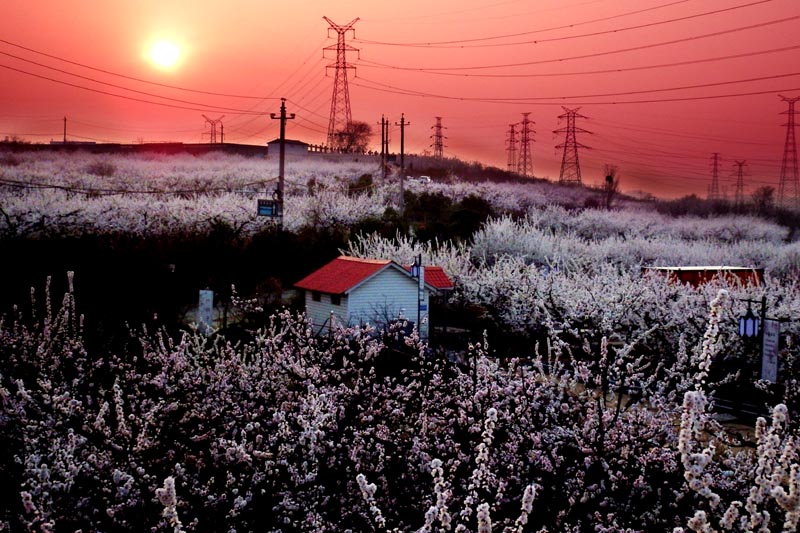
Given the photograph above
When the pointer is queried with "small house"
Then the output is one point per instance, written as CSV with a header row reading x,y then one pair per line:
x,y
699,275
290,148
350,291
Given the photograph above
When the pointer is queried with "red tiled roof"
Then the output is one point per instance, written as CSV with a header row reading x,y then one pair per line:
x,y
341,274
435,277
344,273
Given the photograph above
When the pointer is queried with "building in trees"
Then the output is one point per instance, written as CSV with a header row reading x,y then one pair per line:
x,y
291,147
353,291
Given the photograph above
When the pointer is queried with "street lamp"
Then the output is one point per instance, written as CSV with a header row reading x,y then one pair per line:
x,y
749,324
418,272
415,267
768,331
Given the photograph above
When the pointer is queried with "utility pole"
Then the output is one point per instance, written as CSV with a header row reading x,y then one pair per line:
x,y
65,130
341,117
739,195
402,125
213,123
438,139
789,190
511,148
713,190
384,146
283,117
525,166
570,166
386,140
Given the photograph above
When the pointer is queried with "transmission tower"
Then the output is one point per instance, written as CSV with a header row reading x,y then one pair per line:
x,y
713,190
213,124
789,190
341,117
438,139
511,147
525,163
738,199
570,166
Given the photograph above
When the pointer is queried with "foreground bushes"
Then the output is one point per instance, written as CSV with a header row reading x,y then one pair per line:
x,y
287,431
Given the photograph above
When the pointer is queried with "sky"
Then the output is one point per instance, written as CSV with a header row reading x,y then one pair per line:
x,y
662,84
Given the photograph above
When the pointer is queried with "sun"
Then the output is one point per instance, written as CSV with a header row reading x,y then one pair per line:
x,y
165,54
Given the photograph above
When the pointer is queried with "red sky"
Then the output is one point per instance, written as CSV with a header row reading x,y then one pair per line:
x,y
495,60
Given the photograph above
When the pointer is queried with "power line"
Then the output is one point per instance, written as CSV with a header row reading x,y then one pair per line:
x,y
204,108
285,80
109,84
104,191
132,78
610,70
596,54
673,133
296,104
427,16
559,99
463,43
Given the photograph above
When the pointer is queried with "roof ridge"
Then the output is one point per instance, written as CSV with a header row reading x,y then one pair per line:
x,y
364,260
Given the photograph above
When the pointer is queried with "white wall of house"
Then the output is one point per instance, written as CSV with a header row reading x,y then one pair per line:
x,y
320,312
383,298
290,149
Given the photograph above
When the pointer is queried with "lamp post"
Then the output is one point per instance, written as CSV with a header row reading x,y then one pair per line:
x,y
418,272
767,331
750,324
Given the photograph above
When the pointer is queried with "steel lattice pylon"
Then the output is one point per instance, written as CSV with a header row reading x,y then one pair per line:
x,y
525,163
438,139
789,189
341,116
511,147
713,190
570,166
739,191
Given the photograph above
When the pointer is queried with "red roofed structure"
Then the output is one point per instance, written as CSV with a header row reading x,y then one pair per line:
x,y
355,291
436,277
341,274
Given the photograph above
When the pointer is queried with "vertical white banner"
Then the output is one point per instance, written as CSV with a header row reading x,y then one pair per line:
x,y
769,350
205,312
422,315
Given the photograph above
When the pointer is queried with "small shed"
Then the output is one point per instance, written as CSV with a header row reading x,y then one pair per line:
x,y
698,275
353,291
291,147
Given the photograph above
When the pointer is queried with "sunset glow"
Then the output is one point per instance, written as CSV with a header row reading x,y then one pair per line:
x,y
663,84
164,54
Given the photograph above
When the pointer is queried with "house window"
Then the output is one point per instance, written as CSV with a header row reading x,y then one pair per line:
x,y
315,296
336,299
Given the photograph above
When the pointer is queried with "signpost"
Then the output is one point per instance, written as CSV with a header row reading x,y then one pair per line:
x,y
270,208
205,312
769,350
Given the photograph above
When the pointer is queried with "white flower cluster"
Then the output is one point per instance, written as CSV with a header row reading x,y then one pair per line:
x,y
368,493
167,497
